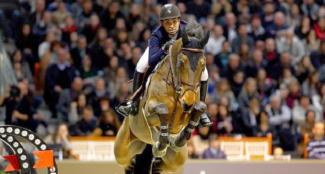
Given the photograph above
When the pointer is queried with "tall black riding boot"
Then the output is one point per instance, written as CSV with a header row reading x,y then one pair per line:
x,y
205,120
137,82
131,107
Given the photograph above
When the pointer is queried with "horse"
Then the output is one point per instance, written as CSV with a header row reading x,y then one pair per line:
x,y
155,139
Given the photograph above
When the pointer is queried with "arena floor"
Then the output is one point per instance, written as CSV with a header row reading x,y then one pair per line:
x,y
205,167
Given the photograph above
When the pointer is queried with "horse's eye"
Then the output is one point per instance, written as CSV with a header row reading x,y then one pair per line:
x,y
184,60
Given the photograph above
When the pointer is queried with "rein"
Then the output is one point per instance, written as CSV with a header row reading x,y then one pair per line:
x,y
195,50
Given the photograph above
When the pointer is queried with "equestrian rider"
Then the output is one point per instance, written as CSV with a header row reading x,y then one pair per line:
x,y
161,39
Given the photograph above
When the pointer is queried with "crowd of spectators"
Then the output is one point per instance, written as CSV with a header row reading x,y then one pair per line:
x,y
265,60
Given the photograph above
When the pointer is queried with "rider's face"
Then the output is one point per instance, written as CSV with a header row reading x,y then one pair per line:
x,y
171,25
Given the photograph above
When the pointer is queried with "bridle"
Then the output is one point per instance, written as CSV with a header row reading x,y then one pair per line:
x,y
176,75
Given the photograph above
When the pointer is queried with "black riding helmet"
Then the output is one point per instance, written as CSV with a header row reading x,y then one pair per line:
x,y
169,11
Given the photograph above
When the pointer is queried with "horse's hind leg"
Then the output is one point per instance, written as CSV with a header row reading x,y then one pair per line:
x,y
129,169
127,146
143,161
157,166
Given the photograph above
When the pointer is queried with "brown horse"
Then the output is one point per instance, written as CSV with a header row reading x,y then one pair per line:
x,y
169,110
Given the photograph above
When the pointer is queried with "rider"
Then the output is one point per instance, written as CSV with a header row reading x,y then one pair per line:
x,y
161,39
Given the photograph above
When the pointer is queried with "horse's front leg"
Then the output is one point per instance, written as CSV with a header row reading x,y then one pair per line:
x,y
159,149
198,110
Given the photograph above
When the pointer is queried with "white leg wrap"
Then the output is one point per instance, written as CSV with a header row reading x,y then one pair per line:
x,y
205,75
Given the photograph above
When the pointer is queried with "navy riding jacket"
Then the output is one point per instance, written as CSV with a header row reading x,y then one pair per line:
x,y
158,38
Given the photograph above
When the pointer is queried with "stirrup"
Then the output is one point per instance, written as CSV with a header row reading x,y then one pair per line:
x,y
123,109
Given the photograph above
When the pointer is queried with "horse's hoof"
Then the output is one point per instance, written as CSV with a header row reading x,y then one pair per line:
x,y
173,146
159,153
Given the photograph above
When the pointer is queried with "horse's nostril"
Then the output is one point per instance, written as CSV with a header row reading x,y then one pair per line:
x,y
186,107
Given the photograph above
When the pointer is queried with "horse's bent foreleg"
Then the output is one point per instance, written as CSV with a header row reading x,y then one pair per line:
x,y
198,110
159,149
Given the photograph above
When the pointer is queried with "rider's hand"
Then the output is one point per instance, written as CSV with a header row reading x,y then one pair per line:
x,y
166,46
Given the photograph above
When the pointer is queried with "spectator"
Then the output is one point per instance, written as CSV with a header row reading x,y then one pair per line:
x,y
221,59
300,110
76,108
303,30
201,140
230,26
257,63
248,92
108,125
79,52
60,14
91,28
45,46
311,43
232,67
21,68
316,145
237,82
279,114
199,8
192,154
223,90
272,57
213,113
83,14
308,125
265,86
318,56
216,40
278,26
264,127
279,118
224,121
288,42
294,17
87,70
57,78
99,92
268,14
310,8
213,151
26,41
68,28
19,109
110,15
249,117
304,69
319,28
61,138
242,38
294,93
87,124
310,85
67,96
256,30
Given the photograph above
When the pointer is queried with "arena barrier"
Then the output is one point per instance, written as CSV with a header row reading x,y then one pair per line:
x,y
204,167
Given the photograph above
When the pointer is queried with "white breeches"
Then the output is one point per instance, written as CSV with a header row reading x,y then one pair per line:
x,y
143,64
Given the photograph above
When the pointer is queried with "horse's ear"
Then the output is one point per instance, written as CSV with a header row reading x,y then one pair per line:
x,y
185,38
177,47
205,39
